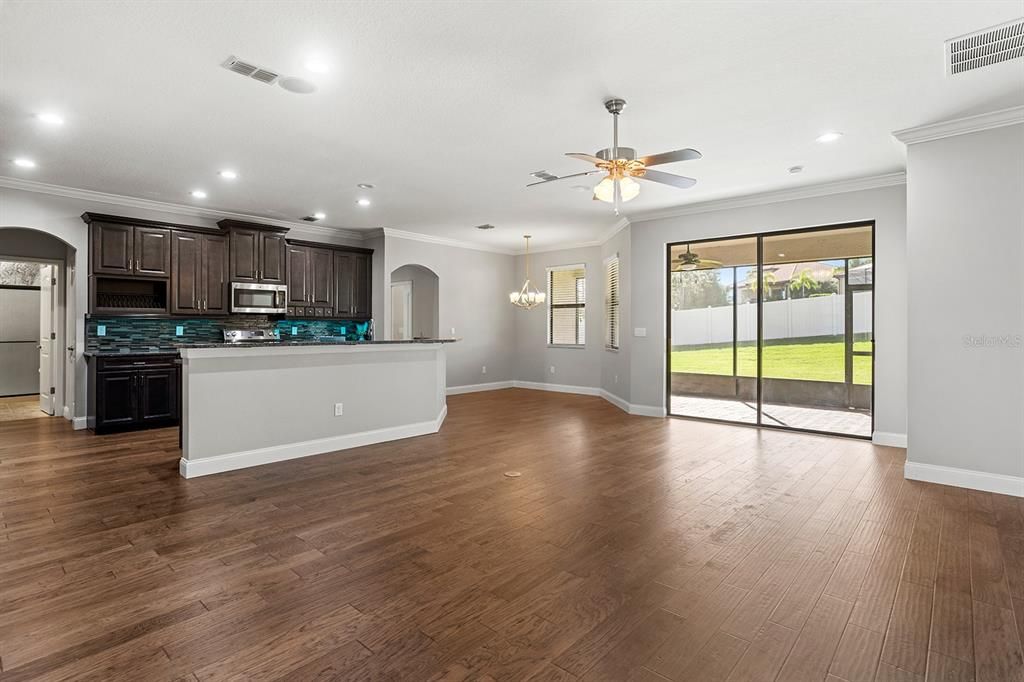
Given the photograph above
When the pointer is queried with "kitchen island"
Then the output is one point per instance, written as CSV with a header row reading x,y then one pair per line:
x,y
255,403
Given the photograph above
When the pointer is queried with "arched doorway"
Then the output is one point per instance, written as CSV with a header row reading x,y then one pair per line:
x,y
35,310
413,302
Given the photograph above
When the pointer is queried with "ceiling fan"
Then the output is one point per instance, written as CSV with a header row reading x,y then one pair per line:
x,y
621,165
688,261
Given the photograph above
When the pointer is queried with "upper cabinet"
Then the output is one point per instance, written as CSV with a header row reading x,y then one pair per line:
x,y
134,251
199,267
352,284
311,281
257,252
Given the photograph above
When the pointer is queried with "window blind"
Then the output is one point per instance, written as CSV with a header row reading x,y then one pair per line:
x,y
567,299
611,303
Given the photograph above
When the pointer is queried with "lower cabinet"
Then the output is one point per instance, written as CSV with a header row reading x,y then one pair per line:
x,y
133,392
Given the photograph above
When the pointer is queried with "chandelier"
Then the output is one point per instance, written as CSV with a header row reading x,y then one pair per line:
x,y
527,297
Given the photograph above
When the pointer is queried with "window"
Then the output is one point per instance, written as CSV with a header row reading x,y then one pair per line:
x,y
567,298
611,303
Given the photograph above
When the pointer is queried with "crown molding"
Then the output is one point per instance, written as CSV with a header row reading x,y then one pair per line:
x,y
175,209
443,241
776,196
961,126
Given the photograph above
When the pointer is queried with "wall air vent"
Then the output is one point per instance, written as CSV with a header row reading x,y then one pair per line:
x,y
248,70
986,47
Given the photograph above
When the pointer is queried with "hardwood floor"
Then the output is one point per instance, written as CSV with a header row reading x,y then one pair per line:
x,y
629,549
17,407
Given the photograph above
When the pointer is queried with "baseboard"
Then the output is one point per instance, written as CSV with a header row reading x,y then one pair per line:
x,y
557,388
893,440
79,423
250,458
965,478
476,388
647,410
615,400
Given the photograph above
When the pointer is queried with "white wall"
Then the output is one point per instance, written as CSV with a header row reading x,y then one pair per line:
x,y
966,249
473,291
573,366
886,206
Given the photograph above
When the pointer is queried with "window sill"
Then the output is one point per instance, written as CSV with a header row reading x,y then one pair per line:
x,y
567,345
611,350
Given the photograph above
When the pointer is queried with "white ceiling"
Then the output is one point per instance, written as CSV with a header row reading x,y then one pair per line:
x,y
447,107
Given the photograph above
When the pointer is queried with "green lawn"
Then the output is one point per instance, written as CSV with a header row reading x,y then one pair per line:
x,y
809,361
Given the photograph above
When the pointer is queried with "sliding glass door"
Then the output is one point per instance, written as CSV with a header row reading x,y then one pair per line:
x,y
774,329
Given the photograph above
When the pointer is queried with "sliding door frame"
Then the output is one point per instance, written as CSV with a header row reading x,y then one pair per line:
x,y
759,237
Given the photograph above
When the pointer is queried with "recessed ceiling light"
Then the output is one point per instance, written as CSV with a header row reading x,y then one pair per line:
x,y
830,136
319,215
228,174
316,65
50,118
580,188
782,255
363,202
24,163
300,86
364,185
198,194
796,169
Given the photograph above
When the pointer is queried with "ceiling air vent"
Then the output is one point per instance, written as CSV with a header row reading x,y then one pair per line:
x,y
985,47
243,68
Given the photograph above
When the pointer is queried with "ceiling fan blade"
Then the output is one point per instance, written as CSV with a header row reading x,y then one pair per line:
x,y
589,158
566,177
671,157
680,181
707,262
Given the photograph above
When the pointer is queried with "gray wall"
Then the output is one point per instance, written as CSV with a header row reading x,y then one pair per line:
x,y
887,206
424,298
473,291
534,358
966,247
615,365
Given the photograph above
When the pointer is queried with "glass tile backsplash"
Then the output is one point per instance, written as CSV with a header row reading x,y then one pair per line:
x,y
150,332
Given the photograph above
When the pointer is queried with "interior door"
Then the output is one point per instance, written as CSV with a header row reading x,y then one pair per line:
x,y
401,311
46,341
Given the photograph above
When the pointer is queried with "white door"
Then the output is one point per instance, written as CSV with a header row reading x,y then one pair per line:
x,y
46,306
401,311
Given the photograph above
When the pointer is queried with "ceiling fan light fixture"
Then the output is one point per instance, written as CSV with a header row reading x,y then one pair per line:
x,y
628,189
605,190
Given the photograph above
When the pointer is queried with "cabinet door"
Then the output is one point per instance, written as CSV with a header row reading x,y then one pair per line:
x,y
187,280
298,275
361,284
321,279
342,284
215,275
157,394
272,258
112,249
152,252
245,255
115,399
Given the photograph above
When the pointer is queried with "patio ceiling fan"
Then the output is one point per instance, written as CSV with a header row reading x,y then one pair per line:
x,y
621,165
688,261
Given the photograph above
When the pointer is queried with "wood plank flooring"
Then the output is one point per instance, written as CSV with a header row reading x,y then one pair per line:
x,y
630,548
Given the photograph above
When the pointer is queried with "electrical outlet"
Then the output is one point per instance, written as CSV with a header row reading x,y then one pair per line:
x,y
338,409
295,331
483,370
101,330
453,331
640,331
179,330
552,369
616,378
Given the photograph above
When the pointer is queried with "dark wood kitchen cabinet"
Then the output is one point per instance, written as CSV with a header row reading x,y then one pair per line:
x,y
199,263
352,284
257,252
120,249
128,392
311,284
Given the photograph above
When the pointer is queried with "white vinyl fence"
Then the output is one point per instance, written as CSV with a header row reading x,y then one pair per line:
x,y
789,319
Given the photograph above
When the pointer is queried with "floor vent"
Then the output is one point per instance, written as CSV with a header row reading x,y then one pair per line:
x,y
243,68
985,47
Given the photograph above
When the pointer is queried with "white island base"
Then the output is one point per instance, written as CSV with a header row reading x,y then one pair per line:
x,y
246,406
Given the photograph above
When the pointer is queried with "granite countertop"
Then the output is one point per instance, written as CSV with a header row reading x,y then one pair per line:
x,y
322,341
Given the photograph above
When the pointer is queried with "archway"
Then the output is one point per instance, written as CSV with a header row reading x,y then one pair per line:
x,y
414,303
37,321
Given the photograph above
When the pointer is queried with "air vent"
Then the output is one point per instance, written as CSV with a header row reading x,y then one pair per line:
x,y
543,175
310,218
984,48
485,226
243,68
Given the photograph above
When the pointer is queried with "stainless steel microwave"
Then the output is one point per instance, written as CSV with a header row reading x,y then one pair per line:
x,y
250,297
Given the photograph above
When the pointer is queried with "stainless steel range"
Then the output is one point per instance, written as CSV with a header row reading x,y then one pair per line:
x,y
251,335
